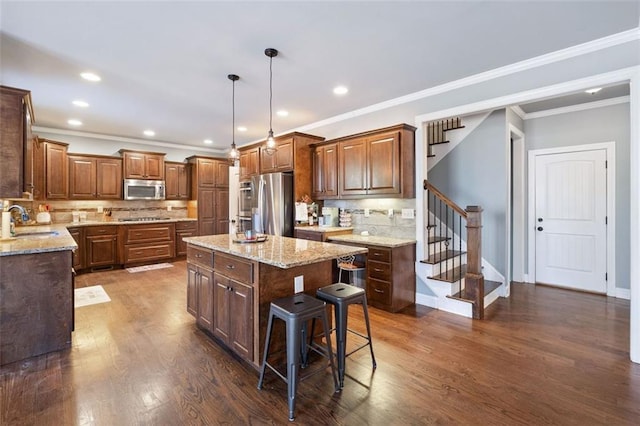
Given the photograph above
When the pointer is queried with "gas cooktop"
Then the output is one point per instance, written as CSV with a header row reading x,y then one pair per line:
x,y
142,219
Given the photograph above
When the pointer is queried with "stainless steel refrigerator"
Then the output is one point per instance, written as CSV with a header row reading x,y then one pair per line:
x,y
269,199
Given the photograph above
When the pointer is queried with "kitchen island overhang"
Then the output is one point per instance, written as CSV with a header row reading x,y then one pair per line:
x,y
230,285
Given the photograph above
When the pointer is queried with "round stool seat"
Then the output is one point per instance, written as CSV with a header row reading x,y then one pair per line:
x,y
339,292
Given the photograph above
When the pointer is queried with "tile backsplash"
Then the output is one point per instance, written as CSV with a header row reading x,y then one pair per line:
x,y
379,222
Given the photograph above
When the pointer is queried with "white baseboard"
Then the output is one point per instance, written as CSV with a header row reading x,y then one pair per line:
x,y
623,293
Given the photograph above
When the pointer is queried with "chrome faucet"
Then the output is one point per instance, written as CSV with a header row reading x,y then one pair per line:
x,y
23,212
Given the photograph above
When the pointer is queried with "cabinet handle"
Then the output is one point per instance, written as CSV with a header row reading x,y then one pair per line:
x,y
231,267
376,254
198,255
378,269
378,291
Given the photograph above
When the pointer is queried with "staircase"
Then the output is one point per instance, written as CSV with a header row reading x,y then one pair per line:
x,y
454,241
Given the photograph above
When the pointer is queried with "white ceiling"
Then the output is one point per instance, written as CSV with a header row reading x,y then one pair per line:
x,y
164,65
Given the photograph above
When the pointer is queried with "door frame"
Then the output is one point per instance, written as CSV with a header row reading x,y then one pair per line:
x,y
516,205
610,152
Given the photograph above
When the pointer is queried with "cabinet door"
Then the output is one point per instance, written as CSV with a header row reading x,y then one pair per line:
x,y
192,289
154,166
172,181
353,167
325,172
222,211
206,211
82,177
57,172
134,165
284,155
12,141
384,164
222,174
78,254
249,163
109,178
222,307
184,188
267,161
317,173
241,319
181,246
206,299
206,172
101,250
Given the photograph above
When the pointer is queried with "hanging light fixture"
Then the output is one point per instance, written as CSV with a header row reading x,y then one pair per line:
x,y
270,146
233,154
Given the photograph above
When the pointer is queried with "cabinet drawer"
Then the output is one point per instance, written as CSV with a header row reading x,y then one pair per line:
x,y
379,270
101,230
186,226
380,254
147,253
379,292
199,256
234,268
144,233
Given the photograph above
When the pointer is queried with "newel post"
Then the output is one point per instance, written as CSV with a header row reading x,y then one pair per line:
x,y
474,280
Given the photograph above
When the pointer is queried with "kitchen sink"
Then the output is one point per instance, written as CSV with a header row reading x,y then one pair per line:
x,y
37,234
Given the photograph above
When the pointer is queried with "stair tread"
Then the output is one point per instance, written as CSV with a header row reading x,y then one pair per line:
x,y
437,239
438,143
489,287
441,256
453,128
452,275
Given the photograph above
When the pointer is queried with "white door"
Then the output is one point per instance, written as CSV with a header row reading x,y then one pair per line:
x,y
571,208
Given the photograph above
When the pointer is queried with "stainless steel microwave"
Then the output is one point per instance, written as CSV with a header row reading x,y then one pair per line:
x,y
138,189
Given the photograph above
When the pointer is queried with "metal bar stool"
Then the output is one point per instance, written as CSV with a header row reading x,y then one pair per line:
x,y
296,311
349,265
342,295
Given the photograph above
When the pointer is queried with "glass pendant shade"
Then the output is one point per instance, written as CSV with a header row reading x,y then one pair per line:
x,y
270,145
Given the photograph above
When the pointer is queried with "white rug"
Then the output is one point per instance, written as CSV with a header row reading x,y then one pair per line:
x,y
149,267
93,295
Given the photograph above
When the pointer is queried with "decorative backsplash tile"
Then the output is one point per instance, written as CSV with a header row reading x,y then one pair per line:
x,y
378,222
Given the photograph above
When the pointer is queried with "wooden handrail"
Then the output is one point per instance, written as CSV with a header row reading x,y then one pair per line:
x,y
445,199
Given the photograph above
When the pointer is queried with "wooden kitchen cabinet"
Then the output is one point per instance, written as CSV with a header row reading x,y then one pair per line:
x,y
318,234
379,163
15,138
78,254
222,174
279,161
222,211
177,181
233,298
143,165
200,287
101,244
210,182
147,243
50,170
325,172
94,178
249,163
183,230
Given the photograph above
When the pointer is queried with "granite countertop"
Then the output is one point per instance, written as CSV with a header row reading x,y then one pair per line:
x,y
322,229
371,240
41,242
283,252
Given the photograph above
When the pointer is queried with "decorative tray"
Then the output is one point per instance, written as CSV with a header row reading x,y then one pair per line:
x,y
243,240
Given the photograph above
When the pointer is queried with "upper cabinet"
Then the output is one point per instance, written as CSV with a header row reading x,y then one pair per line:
x,y
143,165
94,177
378,163
279,161
177,180
15,136
50,170
249,163
325,172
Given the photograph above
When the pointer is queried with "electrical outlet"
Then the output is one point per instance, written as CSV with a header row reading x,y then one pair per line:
x,y
298,284
169,208
390,213
408,213
367,213
99,209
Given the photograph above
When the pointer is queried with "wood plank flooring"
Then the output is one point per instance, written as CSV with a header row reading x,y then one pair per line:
x,y
543,356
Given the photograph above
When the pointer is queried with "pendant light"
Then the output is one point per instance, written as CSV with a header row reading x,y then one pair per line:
x,y
233,154
270,146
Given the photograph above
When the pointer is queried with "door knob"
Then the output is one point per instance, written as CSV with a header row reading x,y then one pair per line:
x,y
540,228
539,219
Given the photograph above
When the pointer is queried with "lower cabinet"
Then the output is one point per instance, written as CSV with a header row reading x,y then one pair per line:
x,y
78,254
183,230
200,290
101,245
233,315
148,242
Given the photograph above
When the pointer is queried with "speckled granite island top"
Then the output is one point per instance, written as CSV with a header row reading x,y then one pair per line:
x,y
283,252
371,240
40,239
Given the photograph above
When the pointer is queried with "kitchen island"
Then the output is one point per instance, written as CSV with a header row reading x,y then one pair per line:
x,y
230,284
36,292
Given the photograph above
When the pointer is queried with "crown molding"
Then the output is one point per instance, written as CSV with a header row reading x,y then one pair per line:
x,y
516,67
519,112
578,107
113,138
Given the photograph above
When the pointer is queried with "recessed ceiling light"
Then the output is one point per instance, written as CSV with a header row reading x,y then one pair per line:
x,y
208,141
74,122
149,133
282,113
340,90
594,90
242,129
80,103
90,76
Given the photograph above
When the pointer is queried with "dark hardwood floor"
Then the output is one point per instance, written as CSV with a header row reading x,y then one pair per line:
x,y
543,356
